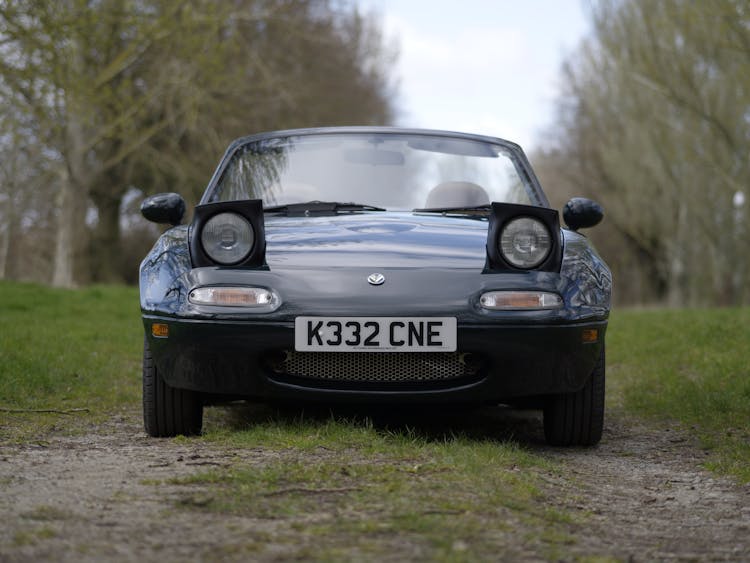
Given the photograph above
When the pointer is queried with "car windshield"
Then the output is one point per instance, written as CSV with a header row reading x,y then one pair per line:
x,y
394,171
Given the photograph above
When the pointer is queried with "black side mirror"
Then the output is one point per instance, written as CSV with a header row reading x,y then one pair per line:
x,y
164,208
582,213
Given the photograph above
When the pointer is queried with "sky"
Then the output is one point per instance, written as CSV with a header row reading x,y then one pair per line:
x,y
480,66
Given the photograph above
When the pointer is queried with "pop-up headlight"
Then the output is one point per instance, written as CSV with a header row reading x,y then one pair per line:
x,y
525,242
227,238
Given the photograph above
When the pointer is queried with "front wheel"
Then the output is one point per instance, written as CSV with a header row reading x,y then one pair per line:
x,y
577,419
168,411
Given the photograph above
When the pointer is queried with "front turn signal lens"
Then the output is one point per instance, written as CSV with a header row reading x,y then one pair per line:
x,y
520,300
234,297
590,335
160,330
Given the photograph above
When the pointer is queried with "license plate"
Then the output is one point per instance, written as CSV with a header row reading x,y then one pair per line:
x,y
375,334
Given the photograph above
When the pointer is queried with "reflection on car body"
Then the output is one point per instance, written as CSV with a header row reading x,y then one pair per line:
x,y
375,265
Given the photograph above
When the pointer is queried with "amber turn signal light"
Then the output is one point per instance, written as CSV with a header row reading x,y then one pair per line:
x,y
590,335
160,330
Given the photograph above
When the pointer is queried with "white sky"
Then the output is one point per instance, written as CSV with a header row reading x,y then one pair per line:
x,y
480,66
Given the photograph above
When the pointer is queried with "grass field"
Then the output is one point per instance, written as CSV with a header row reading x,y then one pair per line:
x,y
64,350
81,349
691,366
365,491
446,485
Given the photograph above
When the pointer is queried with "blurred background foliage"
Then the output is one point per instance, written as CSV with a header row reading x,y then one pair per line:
x,y
107,101
654,123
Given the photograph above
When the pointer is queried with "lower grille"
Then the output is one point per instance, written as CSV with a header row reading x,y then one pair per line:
x,y
376,367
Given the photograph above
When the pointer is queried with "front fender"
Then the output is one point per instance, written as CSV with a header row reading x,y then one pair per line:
x,y
163,270
590,280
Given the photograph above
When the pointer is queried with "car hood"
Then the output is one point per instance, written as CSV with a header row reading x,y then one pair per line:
x,y
326,257
376,240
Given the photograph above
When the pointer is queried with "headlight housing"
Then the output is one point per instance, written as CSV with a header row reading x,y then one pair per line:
x,y
227,238
525,242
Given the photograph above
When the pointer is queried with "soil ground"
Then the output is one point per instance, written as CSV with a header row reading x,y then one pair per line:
x,y
91,497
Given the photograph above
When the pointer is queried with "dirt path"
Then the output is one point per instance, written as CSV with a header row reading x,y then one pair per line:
x,y
89,498
650,500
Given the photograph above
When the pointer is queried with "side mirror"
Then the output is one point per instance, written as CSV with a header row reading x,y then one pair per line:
x,y
582,213
164,208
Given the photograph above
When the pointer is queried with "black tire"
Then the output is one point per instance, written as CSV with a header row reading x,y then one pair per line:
x,y
577,419
168,411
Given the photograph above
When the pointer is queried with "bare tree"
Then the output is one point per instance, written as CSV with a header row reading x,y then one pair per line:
x,y
656,123
145,95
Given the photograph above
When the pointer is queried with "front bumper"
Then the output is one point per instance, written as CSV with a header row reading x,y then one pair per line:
x,y
230,358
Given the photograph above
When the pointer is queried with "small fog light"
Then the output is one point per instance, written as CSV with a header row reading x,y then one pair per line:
x,y
519,300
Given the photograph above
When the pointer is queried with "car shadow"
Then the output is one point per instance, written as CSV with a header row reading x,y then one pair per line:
x,y
431,423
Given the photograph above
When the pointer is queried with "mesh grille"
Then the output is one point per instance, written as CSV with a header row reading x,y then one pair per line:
x,y
386,367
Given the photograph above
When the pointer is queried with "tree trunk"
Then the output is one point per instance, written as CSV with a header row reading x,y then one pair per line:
x,y
65,242
6,231
105,242
678,290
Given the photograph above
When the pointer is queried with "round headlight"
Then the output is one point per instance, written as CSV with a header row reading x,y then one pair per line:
x,y
525,242
227,238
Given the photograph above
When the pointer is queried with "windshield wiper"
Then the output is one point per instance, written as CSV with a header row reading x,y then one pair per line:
x,y
465,210
312,208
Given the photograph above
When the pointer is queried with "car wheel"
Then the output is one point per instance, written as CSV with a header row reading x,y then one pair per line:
x,y
168,411
577,419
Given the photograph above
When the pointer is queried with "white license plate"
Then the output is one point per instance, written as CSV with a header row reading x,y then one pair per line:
x,y
375,334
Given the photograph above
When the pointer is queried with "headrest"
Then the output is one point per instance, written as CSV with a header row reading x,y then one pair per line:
x,y
457,194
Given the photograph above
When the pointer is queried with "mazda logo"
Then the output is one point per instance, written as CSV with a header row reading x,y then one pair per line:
x,y
376,279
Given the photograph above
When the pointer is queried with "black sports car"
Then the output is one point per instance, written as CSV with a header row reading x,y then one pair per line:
x,y
375,265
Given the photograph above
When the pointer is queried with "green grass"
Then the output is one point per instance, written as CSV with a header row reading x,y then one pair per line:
x,y
363,489
690,366
66,349
355,484
73,349
32,537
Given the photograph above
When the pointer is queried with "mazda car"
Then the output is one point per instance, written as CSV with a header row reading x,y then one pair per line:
x,y
373,265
